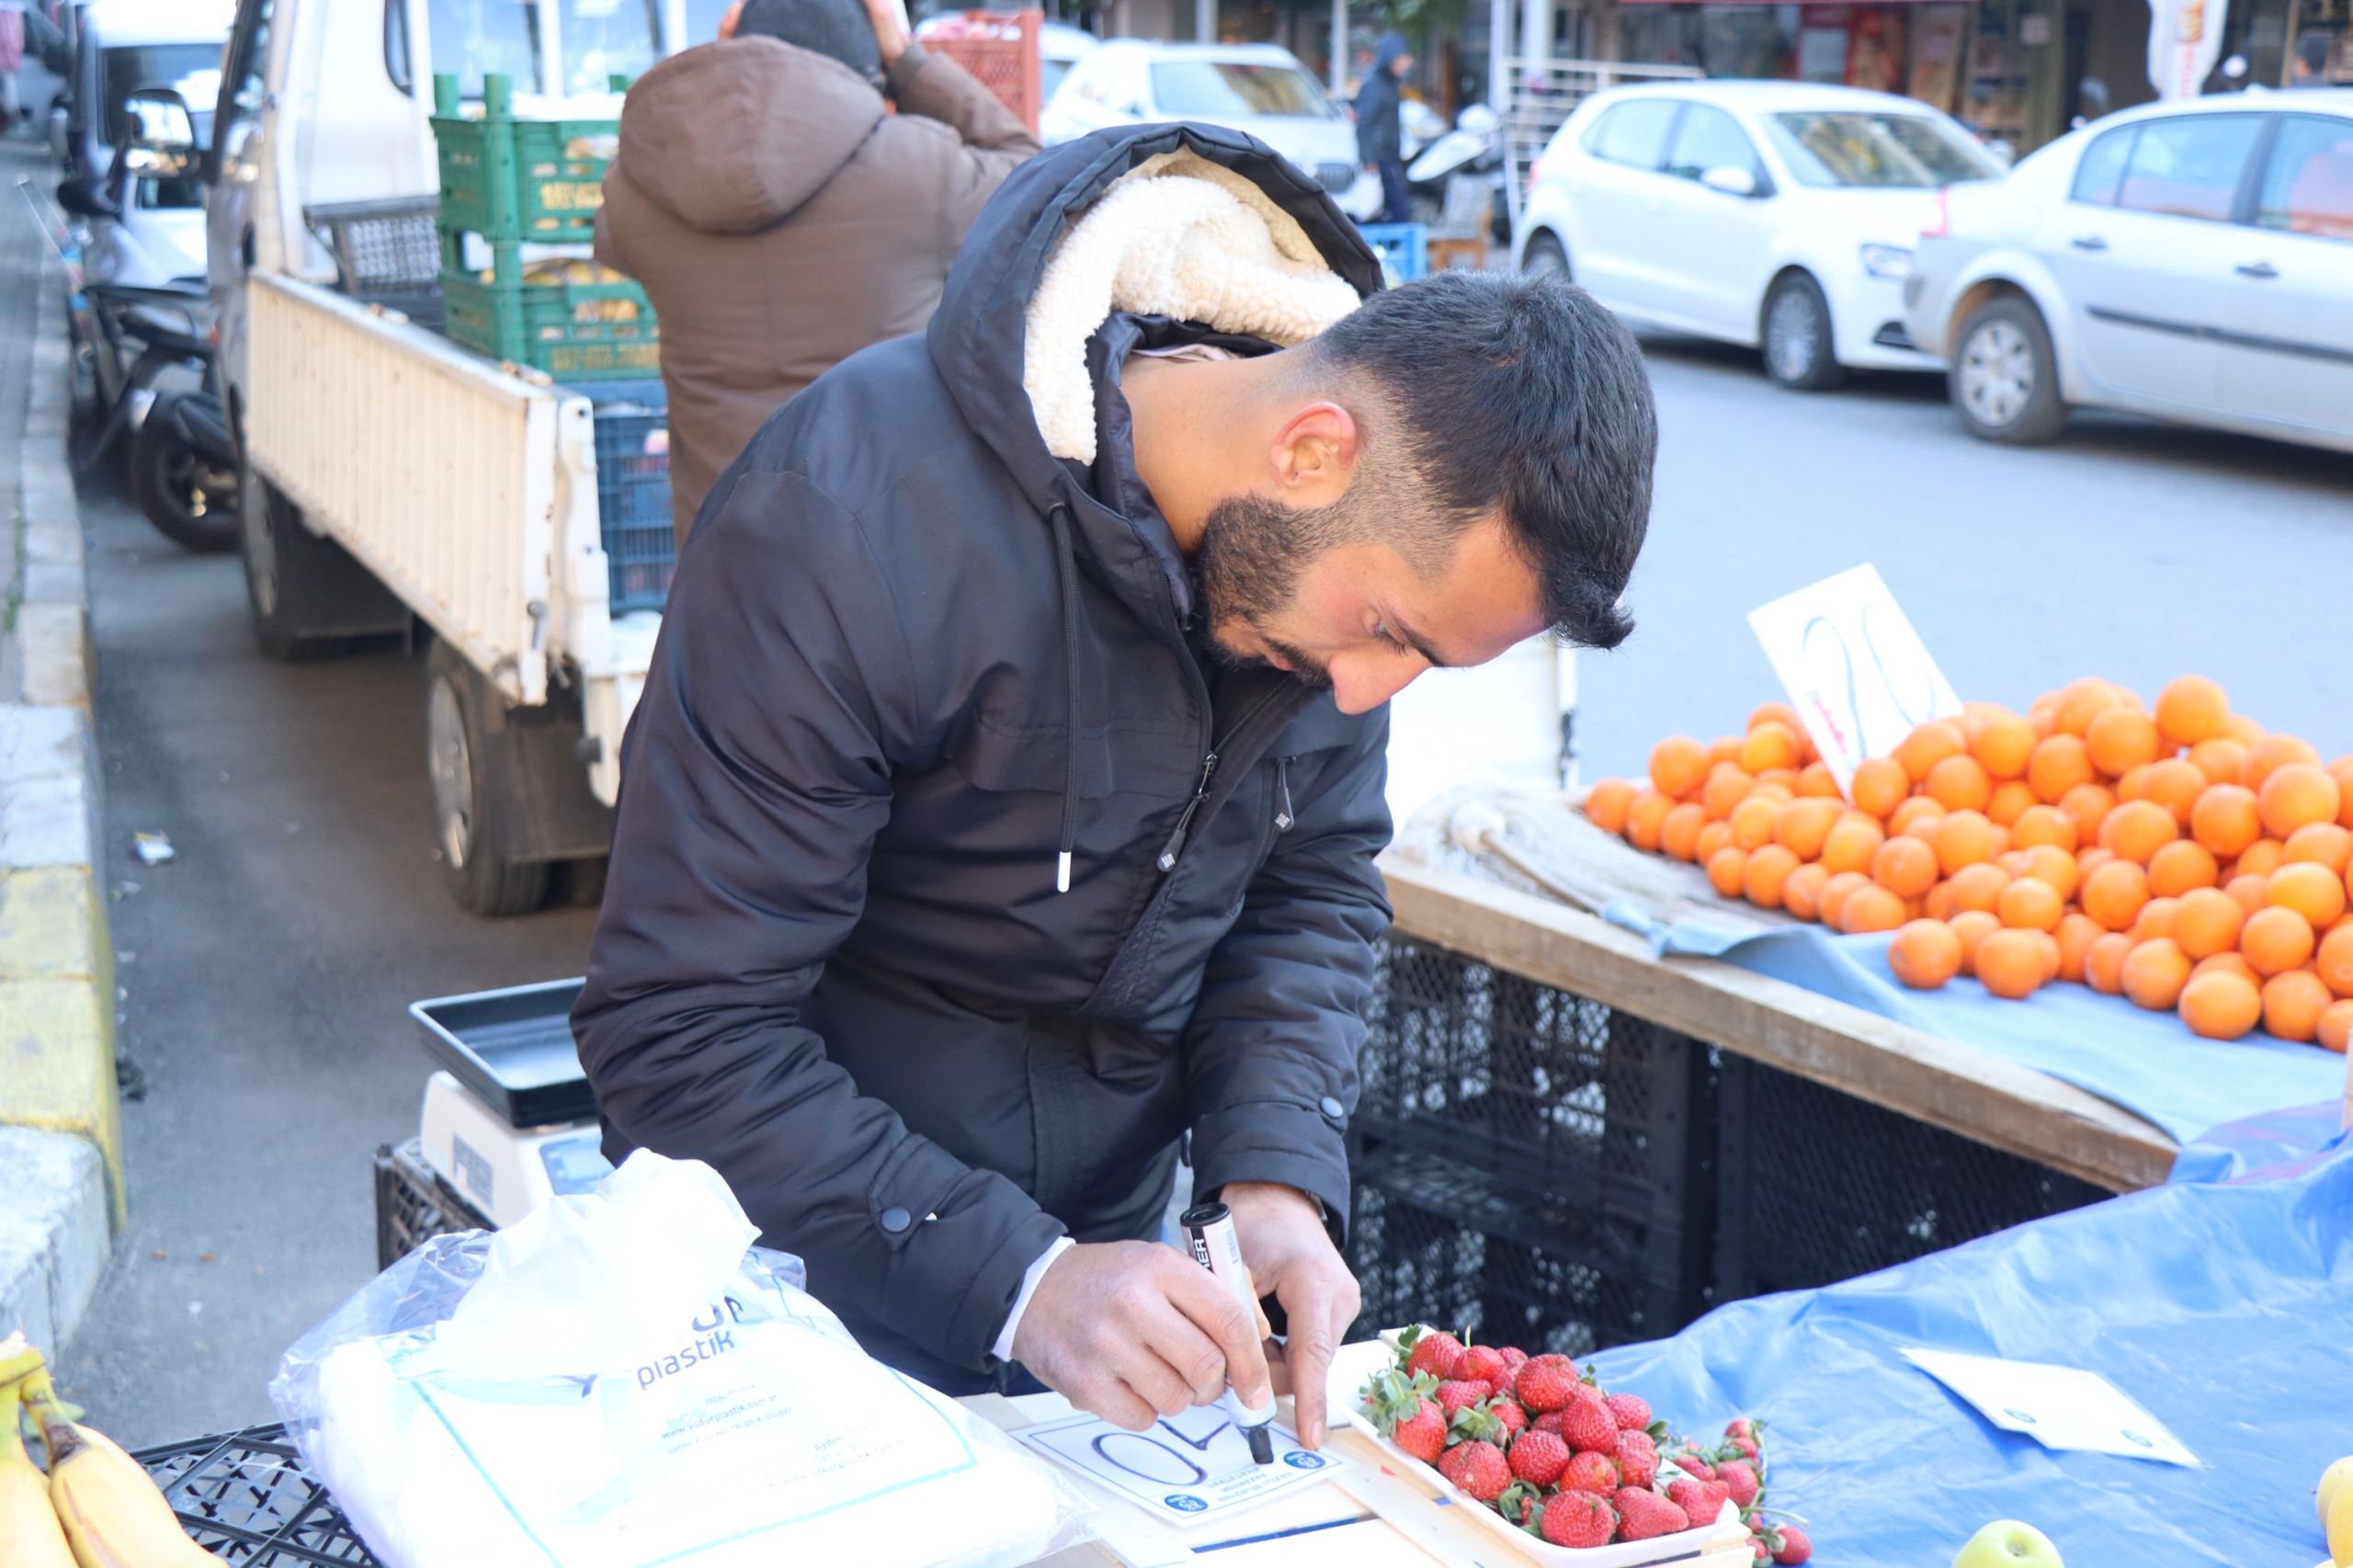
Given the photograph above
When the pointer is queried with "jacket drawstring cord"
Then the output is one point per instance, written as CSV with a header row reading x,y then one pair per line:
x,y
1066,570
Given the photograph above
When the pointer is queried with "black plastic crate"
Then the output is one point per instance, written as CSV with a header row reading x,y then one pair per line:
x,y
1816,1185
413,1204
633,504
245,1498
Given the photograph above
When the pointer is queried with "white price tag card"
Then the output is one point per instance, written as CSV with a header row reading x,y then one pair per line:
x,y
1857,673
2060,1407
1188,1468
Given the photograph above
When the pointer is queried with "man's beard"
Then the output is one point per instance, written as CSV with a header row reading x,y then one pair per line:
x,y
1254,552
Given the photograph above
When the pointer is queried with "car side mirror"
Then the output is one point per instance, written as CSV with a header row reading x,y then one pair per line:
x,y
85,196
1730,181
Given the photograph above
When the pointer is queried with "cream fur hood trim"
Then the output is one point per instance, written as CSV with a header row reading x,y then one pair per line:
x,y
1176,236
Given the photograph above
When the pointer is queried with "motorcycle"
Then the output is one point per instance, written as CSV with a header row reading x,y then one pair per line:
x,y
1473,152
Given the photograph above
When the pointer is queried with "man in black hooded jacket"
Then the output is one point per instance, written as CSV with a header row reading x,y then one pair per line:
x,y
1380,108
992,822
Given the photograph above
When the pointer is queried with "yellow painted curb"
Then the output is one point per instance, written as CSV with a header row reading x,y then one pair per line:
x,y
57,1012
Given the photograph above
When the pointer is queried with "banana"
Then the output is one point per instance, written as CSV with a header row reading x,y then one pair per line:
x,y
30,1536
112,1514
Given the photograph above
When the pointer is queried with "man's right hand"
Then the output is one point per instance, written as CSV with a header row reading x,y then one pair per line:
x,y
1134,1331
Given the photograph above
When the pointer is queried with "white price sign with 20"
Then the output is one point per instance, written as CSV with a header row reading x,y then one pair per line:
x,y
1856,671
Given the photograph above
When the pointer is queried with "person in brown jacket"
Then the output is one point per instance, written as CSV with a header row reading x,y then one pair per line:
x,y
780,219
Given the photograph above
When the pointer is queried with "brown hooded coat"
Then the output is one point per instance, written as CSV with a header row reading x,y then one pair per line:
x,y
781,221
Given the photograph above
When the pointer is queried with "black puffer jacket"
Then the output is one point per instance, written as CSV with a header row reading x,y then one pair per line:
x,y
832,959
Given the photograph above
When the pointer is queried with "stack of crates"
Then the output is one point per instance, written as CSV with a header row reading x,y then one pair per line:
x,y
515,182
633,492
1000,51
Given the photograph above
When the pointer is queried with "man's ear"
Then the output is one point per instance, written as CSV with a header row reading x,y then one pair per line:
x,y
1314,455
727,23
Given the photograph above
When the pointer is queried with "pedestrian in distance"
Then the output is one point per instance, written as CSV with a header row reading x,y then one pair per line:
x,y
780,218
1380,135
1001,811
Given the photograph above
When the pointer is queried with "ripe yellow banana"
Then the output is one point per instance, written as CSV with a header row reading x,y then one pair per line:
x,y
29,1534
112,1514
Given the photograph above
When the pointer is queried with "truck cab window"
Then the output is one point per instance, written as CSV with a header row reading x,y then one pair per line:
x,y
476,38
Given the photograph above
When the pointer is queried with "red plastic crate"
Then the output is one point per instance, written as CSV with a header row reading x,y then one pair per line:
x,y
1000,49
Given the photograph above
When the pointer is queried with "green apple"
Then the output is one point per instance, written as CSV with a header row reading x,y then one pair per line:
x,y
2006,1543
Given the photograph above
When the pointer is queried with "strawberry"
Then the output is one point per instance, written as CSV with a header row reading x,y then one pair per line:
x,y
1790,1545
1514,1359
1519,1503
1637,1459
1739,1481
1740,1427
1539,1458
1646,1513
1577,1519
1434,1353
1458,1395
1746,1448
1633,1412
1423,1434
1548,1422
1692,1464
1587,1426
1546,1382
1763,1554
1591,1472
1477,1468
1702,1500
1403,1415
1507,1412
1483,1363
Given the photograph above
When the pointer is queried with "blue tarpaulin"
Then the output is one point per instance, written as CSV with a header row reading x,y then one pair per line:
x,y
2224,1309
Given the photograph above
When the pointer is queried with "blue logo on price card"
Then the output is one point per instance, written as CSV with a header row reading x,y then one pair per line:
x,y
1186,1502
1302,1460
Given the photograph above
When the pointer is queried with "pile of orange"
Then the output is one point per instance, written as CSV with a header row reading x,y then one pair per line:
x,y
2181,858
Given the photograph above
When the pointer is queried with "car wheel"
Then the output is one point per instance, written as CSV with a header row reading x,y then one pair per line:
x,y
1800,352
2005,380
1546,258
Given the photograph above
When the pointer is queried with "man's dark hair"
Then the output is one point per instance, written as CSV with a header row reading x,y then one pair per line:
x,y
835,27
1519,392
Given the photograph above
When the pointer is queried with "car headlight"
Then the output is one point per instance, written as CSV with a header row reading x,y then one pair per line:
x,y
1887,261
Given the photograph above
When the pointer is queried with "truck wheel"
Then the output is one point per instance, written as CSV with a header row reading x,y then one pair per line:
x,y
478,809
191,502
1800,351
309,597
2005,379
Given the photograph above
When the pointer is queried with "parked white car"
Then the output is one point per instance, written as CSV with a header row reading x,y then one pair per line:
x,y
2192,261
1255,88
1777,215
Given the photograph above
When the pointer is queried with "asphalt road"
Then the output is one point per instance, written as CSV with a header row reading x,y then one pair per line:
x,y
266,969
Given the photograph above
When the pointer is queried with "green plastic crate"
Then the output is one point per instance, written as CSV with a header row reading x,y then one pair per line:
x,y
540,180
562,328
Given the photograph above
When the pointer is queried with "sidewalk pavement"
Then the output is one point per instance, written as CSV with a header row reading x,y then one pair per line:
x,y
61,1126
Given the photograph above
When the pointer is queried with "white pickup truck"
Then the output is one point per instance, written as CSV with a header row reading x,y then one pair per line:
x,y
391,478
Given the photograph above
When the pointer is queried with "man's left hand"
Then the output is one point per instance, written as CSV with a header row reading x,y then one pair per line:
x,y
1291,1257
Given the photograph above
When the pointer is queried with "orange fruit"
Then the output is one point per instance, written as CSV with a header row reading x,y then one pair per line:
x,y
2261,858
2246,891
2011,963
2191,708
1606,803
1924,954
2334,1024
1833,896
1959,783
2104,964
1850,844
2240,728
2137,830
1724,748
2322,843
1779,779
2314,891
1770,743
2119,739
2092,859
2154,973
1912,812
1816,779
1972,927
2276,938
2221,759
2171,783
1752,820
1905,866
1870,908
1978,887
2114,894
2011,800
1780,713
2334,961
2002,745
2220,1004
2155,920
2076,933
2295,794
2226,819
1964,839
2031,904
1728,785
1772,789
2051,955
2059,763
2044,824
1878,785
2235,962
2080,701
1715,836
1644,817
2048,863
2180,866
1726,868
2089,805
1804,822
1678,766
2271,753
1768,867
2206,921
2342,771
1801,891
1927,745
1679,836
2293,1001
1940,904
1973,719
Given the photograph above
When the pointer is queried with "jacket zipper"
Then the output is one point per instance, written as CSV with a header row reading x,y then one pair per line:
x,y
1175,844
1283,818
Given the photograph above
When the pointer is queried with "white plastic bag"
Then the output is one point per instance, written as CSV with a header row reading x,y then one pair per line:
x,y
620,1381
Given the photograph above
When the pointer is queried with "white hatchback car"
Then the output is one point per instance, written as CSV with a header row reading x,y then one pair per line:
x,y
1772,214
2192,261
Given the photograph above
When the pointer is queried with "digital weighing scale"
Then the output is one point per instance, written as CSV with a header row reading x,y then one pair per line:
x,y
510,1119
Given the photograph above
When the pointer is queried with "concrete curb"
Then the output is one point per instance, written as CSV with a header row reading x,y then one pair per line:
x,y
61,1118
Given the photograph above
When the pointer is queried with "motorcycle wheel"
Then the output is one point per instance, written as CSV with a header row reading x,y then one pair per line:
x,y
191,502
